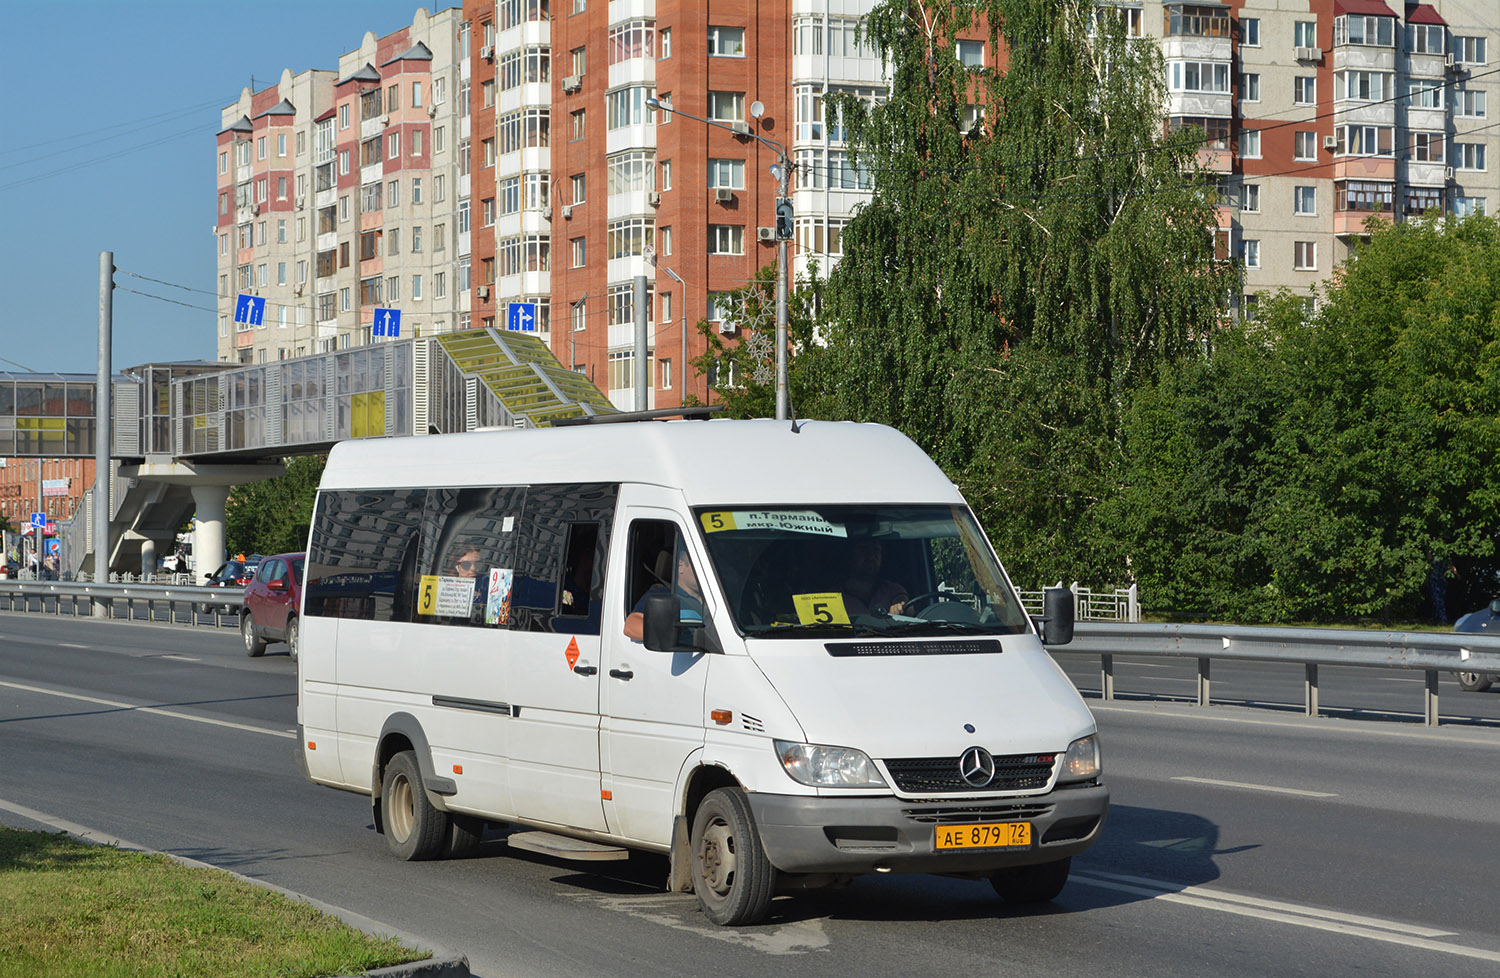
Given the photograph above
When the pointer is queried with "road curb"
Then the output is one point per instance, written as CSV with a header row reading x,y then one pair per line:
x,y
443,963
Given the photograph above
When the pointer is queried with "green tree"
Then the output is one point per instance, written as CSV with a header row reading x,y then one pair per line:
x,y
273,516
1012,281
1318,467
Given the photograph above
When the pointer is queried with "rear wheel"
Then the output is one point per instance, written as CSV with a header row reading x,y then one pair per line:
x,y
413,828
1031,884
254,646
293,636
1474,682
732,877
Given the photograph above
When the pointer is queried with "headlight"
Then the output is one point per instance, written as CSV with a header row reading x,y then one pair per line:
x,y
1082,761
828,767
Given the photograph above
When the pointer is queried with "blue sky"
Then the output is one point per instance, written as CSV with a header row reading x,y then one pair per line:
x,y
107,144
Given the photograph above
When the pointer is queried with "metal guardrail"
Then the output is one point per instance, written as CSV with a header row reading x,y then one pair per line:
x,y
201,605
1430,652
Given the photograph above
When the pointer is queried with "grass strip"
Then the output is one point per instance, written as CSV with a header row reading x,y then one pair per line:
x,y
69,908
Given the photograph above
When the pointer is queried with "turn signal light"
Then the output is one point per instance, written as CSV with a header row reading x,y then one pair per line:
x,y
721,717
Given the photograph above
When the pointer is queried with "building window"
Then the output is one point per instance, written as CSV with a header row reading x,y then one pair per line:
x,y
664,238
1305,256
1250,32
630,172
1363,86
1469,50
1371,31
416,239
1420,200
726,42
634,39
807,35
970,54
580,251
1305,33
1304,145
1250,86
1305,90
726,106
726,174
1251,250
627,107
629,238
577,130
1424,95
579,184
1425,38
579,315
726,239
1304,201
1427,147
1186,20
1465,206
1364,140
1468,156
1468,104
1250,144
666,174
1198,76
579,58
487,210
1250,198
666,43
1363,195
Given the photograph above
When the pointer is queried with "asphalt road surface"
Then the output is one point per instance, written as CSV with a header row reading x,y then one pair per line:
x,y
1241,841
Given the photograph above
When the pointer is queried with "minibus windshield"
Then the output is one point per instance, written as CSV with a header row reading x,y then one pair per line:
x,y
844,570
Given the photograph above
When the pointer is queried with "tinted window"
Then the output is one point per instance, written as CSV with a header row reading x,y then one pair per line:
x,y
468,555
363,563
554,529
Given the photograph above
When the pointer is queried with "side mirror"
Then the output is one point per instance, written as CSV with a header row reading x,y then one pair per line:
x,y
1495,607
1056,623
276,585
661,614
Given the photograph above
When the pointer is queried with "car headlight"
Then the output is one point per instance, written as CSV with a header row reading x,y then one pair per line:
x,y
828,767
1082,761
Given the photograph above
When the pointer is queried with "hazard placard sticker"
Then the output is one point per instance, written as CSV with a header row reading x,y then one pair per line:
x,y
572,652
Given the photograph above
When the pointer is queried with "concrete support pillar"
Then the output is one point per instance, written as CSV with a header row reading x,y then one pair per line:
x,y
208,537
148,557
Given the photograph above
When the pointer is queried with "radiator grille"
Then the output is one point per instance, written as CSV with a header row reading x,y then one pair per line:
x,y
932,775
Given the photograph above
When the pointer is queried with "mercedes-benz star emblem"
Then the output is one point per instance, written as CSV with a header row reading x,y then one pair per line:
x,y
977,767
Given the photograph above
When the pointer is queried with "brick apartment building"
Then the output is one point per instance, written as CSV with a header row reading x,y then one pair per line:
x,y
505,152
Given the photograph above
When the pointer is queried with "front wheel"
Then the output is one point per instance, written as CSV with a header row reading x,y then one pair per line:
x,y
254,645
732,877
1031,884
413,828
1474,682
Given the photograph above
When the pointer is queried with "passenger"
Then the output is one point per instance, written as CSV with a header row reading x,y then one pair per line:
x,y
865,591
686,589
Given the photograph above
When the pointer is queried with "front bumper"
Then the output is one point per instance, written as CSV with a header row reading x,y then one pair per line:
x,y
865,835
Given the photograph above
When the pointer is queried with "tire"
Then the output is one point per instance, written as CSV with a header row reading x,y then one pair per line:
x,y
1474,682
1031,884
254,645
464,833
293,636
732,877
414,830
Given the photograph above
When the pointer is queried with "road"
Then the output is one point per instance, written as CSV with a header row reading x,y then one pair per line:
x,y
1241,841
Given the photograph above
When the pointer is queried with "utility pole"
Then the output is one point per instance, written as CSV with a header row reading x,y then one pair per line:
x,y
102,434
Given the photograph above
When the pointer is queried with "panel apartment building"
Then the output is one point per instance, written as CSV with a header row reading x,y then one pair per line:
x,y
505,153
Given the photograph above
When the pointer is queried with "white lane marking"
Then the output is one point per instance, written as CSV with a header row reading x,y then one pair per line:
x,y
1370,928
1259,787
72,645
158,711
1324,724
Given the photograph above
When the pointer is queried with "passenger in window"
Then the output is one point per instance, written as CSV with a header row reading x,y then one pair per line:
x,y
866,592
469,565
685,587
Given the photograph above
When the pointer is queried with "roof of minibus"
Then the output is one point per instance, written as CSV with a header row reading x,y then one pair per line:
x,y
712,462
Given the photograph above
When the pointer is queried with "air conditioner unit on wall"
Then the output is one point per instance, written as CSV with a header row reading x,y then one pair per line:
x,y
432,111
726,328
301,203
385,120
765,234
724,195
572,83
1330,142
653,198
486,51
740,128
547,213
1448,173
1306,53
483,291
567,212
1449,60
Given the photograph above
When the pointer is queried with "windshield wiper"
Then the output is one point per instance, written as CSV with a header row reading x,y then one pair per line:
x,y
937,627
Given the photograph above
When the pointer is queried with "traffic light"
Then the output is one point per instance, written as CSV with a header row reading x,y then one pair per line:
x,y
784,219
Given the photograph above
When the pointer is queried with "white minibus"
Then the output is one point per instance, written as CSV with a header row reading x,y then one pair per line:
x,y
782,655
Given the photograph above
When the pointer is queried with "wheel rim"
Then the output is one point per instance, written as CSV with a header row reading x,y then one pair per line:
x,y
292,635
247,631
717,857
401,815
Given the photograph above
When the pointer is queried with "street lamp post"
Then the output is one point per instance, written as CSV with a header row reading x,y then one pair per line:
x,y
682,360
781,170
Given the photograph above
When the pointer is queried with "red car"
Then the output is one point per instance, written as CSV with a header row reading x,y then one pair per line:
x,y
273,600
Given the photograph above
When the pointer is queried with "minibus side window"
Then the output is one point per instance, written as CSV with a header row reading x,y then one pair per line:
x,y
551,538
468,551
363,551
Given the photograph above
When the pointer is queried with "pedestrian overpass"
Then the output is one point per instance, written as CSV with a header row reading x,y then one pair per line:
x,y
181,434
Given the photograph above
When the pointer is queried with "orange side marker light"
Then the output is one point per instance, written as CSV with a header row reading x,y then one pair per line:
x,y
721,717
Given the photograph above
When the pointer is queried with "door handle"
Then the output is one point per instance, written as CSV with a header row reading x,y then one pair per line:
x,y
625,674
583,670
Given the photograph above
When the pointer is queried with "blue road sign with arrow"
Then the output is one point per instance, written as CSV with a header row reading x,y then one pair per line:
x,y
522,318
387,323
249,309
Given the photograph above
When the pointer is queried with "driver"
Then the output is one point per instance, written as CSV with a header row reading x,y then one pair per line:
x,y
866,592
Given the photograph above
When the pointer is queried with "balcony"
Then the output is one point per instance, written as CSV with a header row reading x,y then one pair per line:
x,y
1352,223
1364,168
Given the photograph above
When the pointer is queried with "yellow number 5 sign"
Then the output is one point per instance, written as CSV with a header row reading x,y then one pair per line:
x,y
821,609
